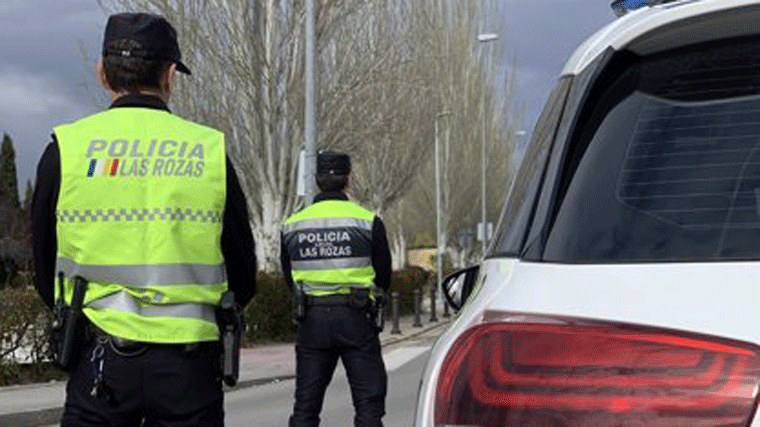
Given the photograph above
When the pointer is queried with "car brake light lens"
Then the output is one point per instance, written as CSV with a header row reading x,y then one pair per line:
x,y
567,372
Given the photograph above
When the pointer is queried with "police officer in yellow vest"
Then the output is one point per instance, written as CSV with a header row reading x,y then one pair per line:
x,y
146,207
337,253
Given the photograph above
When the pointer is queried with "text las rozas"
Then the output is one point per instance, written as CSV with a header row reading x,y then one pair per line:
x,y
324,244
151,158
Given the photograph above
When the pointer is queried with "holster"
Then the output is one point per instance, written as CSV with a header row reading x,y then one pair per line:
x,y
230,323
298,303
361,298
58,331
67,332
378,310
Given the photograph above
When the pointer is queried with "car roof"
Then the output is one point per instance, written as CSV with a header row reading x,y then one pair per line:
x,y
661,27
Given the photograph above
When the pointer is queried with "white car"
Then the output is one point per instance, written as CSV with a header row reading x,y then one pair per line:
x,y
622,287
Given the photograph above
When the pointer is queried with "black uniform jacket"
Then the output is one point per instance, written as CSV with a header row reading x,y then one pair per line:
x,y
237,240
381,254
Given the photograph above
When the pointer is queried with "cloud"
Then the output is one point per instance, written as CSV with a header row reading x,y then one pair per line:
x,y
540,36
30,106
8,7
43,79
29,94
545,33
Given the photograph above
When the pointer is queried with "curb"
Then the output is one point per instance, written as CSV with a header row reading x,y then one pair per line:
x,y
52,416
396,339
32,418
258,381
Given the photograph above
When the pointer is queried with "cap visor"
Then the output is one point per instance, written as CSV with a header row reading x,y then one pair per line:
x,y
182,68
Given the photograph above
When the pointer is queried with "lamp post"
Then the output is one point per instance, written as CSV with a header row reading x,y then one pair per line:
x,y
310,155
484,38
439,236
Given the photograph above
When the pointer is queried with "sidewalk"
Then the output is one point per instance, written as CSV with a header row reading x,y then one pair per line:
x,y
42,404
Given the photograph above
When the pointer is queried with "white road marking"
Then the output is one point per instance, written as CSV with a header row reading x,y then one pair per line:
x,y
399,357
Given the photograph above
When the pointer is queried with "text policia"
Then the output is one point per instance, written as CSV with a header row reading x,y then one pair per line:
x,y
321,244
145,158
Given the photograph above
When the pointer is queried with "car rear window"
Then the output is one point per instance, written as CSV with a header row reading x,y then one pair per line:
x,y
669,166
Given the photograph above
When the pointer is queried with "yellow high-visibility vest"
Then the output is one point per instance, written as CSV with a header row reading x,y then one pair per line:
x,y
139,216
330,247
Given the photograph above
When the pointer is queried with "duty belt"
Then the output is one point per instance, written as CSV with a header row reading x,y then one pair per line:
x,y
335,299
127,347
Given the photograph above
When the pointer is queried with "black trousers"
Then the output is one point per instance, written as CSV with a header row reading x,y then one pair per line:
x,y
166,385
324,335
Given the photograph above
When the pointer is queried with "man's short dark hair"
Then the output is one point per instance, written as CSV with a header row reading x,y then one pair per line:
x,y
130,73
329,182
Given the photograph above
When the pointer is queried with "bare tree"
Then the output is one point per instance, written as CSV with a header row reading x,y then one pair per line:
x,y
469,90
247,62
425,69
383,76
389,109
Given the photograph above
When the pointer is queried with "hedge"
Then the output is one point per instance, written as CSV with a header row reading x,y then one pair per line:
x,y
406,281
268,318
24,322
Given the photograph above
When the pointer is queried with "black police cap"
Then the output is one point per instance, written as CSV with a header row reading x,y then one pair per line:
x,y
154,36
333,163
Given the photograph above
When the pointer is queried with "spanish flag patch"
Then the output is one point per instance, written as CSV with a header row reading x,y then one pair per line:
x,y
103,167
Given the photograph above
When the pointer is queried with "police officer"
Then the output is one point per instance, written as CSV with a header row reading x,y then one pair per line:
x,y
146,207
337,253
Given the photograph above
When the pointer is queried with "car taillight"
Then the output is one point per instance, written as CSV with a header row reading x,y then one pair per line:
x,y
564,372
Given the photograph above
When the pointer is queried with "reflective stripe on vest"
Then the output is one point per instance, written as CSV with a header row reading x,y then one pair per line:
x,y
139,216
331,287
317,223
123,302
145,275
332,263
330,247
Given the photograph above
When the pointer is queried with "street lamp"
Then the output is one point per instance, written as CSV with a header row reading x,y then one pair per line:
x,y
484,38
487,37
440,239
310,154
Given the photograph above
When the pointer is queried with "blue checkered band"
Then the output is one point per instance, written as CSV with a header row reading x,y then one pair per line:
x,y
144,214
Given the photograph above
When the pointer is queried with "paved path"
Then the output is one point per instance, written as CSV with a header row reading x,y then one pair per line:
x,y
41,404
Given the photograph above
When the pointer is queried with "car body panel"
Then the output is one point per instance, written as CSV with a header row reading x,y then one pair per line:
x,y
684,296
715,298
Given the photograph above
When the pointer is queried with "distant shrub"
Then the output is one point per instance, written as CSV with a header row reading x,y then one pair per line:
x,y
9,272
405,282
24,322
267,316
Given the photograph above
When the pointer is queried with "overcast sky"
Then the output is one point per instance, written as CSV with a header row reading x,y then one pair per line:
x,y
45,81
